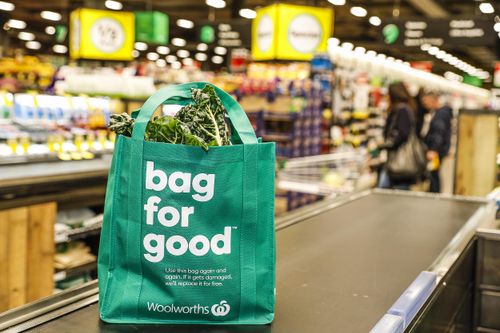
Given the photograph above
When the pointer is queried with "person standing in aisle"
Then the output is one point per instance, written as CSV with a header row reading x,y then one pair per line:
x,y
400,121
438,137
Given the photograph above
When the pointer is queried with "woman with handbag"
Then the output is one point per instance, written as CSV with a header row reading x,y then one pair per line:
x,y
405,151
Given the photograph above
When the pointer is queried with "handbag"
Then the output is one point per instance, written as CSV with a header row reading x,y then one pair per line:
x,y
188,235
408,161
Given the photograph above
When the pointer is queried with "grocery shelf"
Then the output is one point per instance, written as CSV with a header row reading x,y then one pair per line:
x,y
79,233
276,137
42,158
62,274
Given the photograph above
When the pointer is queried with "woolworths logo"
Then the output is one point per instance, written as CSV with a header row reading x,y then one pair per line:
x,y
219,309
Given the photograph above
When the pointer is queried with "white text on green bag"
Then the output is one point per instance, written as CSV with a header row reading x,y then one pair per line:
x,y
169,216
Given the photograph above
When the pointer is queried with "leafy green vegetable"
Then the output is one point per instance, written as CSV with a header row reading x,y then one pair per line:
x,y
200,123
205,117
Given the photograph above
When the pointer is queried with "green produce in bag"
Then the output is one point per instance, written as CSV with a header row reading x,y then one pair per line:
x,y
188,232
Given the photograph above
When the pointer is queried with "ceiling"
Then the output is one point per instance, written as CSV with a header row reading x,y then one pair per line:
x,y
346,26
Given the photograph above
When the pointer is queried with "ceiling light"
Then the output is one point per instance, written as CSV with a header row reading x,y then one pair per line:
x,y
152,56
141,46
486,8
163,50
391,59
440,54
16,24
371,53
347,46
337,2
186,24
381,56
483,75
113,5
220,50
50,30
135,53
433,50
33,45
217,59
216,3
183,53
497,27
200,56
375,20
248,13
360,50
358,11
202,47
51,16
187,62
171,58
58,48
161,63
179,42
333,41
7,6
176,65
425,47
23,35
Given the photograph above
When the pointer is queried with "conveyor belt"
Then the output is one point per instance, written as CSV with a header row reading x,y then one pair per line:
x,y
338,271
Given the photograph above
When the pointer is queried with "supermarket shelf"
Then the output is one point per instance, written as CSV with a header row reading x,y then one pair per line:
x,y
62,274
53,172
276,137
286,117
79,233
43,158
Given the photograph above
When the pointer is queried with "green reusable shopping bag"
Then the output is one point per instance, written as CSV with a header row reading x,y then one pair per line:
x,y
188,235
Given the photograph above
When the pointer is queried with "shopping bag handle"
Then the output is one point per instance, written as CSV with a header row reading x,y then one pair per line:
x,y
181,95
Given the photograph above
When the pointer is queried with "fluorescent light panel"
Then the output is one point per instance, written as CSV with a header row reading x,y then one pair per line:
x,y
7,6
216,3
358,11
248,13
186,24
51,16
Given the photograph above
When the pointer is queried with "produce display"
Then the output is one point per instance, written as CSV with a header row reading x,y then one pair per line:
x,y
200,123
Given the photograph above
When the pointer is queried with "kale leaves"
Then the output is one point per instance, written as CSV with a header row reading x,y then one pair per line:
x,y
200,123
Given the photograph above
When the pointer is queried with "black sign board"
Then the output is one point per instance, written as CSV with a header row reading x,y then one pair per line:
x,y
231,33
413,33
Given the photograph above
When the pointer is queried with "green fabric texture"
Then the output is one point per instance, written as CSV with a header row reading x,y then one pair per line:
x,y
188,235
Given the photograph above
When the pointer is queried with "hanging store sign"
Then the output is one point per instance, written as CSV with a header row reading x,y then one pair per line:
x,y
101,34
151,27
234,33
290,32
413,33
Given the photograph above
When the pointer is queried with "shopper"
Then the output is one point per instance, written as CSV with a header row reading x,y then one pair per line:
x,y
400,121
437,138
422,111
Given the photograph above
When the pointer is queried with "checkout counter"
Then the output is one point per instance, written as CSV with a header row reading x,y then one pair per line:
x,y
341,265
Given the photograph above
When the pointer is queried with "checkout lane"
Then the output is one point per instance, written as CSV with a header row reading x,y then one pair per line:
x,y
338,269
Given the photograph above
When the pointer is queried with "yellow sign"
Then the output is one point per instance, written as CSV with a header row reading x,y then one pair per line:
x,y
101,34
290,32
